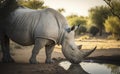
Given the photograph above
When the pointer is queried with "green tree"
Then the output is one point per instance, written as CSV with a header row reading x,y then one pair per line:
x,y
71,16
61,10
114,7
76,20
81,29
98,15
112,25
33,4
93,30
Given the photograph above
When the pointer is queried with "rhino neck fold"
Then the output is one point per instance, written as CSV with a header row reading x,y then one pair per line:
x,y
61,37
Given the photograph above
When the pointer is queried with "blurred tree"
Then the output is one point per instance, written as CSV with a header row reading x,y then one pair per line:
x,y
61,10
112,25
71,16
98,15
81,29
76,20
114,7
114,68
33,4
93,30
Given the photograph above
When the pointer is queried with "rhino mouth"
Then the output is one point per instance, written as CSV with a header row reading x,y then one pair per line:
x,y
78,55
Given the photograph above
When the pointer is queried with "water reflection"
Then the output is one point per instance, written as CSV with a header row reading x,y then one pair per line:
x,y
90,68
73,68
76,69
114,69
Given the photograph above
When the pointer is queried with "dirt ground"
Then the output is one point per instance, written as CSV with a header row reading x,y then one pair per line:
x,y
108,50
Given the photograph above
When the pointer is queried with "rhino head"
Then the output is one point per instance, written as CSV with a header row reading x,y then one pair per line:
x,y
70,50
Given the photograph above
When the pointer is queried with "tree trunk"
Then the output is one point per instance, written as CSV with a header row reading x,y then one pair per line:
x,y
100,31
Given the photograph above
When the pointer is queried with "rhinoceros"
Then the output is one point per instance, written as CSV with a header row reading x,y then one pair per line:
x,y
43,28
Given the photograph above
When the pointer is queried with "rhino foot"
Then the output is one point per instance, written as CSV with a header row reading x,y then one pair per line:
x,y
7,60
33,61
49,61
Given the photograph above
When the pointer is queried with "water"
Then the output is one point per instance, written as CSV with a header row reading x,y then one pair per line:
x,y
90,68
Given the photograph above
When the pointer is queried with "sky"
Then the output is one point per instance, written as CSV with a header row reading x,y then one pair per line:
x,y
79,7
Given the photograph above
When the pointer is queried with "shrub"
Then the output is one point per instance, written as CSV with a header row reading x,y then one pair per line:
x,y
81,29
76,21
94,30
112,25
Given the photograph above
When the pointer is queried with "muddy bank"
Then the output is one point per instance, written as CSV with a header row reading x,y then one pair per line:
x,y
24,68
109,53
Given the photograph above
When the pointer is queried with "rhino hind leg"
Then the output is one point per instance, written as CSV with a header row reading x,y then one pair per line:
x,y
49,50
39,44
5,45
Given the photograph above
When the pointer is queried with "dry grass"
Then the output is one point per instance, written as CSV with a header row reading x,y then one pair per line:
x,y
22,54
101,43
90,42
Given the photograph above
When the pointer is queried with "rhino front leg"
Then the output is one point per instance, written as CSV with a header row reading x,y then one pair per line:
x,y
39,44
49,50
6,49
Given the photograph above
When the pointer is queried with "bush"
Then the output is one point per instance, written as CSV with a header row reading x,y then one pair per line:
x,y
33,4
112,25
94,30
76,20
81,29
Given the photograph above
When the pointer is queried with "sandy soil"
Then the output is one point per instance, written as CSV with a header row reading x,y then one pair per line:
x,y
106,50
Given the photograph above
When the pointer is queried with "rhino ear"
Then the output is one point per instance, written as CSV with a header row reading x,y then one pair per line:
x,y
73,28
70,29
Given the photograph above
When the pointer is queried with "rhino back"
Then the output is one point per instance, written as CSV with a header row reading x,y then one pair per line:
x,y
51,24
47,27
20,25
25,25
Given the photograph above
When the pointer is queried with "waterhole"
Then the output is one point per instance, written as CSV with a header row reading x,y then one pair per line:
x,y
90,68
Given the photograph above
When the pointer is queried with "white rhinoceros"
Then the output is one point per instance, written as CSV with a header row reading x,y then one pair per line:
x,y
43,28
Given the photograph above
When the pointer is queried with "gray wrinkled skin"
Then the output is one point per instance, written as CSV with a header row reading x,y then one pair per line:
x,y
43,28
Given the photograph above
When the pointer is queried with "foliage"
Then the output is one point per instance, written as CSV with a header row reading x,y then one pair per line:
x,y
81,29
98,15
76,20
33,4
114,68
114,7
94,30
71,16
61,10
112,25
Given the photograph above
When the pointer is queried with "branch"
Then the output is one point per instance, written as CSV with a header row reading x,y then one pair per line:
x,y
112,8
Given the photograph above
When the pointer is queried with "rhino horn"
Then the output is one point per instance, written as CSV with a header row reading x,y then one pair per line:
x,y
89,52
80,56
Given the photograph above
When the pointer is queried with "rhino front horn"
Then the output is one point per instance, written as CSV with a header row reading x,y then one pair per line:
x,y
89,52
